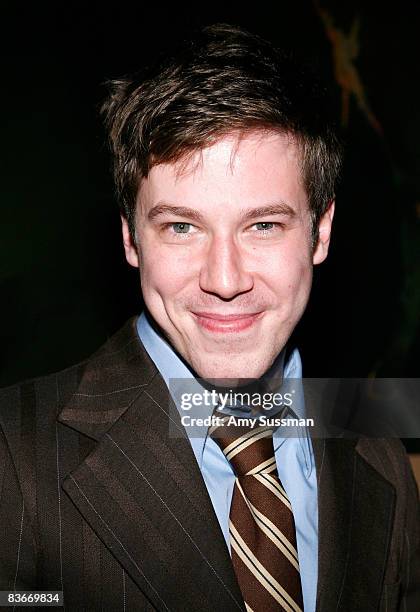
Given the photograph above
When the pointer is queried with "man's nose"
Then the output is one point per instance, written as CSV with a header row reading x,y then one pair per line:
x,y
223,272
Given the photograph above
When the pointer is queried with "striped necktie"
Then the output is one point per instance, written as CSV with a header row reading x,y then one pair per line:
x,y
261,526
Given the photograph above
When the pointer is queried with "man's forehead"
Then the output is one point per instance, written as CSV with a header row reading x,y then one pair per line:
x,y
229,146
240,160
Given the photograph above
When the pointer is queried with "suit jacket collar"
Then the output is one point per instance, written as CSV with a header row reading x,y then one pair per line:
x,y
142,492
110,381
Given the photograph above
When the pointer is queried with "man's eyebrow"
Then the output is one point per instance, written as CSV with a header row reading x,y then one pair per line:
x,y
179,211
251,213
270,209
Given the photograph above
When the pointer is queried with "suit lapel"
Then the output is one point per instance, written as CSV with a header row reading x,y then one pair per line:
x,y
141,489
356,510
356,506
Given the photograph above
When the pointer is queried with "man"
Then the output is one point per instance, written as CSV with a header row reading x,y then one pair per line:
x,y
225,161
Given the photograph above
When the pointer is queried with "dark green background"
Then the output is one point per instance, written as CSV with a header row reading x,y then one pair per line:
x,y
65,285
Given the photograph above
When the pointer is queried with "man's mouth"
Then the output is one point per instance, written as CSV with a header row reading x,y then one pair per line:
x,y
225,323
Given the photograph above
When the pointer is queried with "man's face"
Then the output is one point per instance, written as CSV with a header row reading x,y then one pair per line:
x,y
224,251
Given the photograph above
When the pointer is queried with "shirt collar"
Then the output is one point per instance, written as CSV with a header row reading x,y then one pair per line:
x,y
174,371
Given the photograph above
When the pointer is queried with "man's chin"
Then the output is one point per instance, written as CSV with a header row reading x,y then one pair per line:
x,y
226,375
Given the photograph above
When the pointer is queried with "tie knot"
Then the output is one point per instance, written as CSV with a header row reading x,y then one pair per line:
x,y
248,449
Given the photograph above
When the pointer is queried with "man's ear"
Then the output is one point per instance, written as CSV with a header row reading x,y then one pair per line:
x,y
130,246
324,235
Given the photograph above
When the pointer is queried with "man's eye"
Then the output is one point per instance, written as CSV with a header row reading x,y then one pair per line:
x,y
181,228
177,231
265,225
266,229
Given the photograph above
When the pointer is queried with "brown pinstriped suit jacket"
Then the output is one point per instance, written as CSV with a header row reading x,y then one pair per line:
x,y
97,500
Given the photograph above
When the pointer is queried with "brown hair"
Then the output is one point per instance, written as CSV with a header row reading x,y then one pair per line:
x,y
221,80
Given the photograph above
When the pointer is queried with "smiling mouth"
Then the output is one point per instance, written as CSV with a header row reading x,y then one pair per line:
x,y
219,323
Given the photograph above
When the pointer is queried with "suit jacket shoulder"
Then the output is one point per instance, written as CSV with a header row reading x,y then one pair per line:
x,y
98,500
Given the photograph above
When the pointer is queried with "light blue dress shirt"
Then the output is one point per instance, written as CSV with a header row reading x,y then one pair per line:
x,y
294,458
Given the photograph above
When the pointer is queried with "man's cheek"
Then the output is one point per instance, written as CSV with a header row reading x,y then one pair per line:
x,y
165,279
